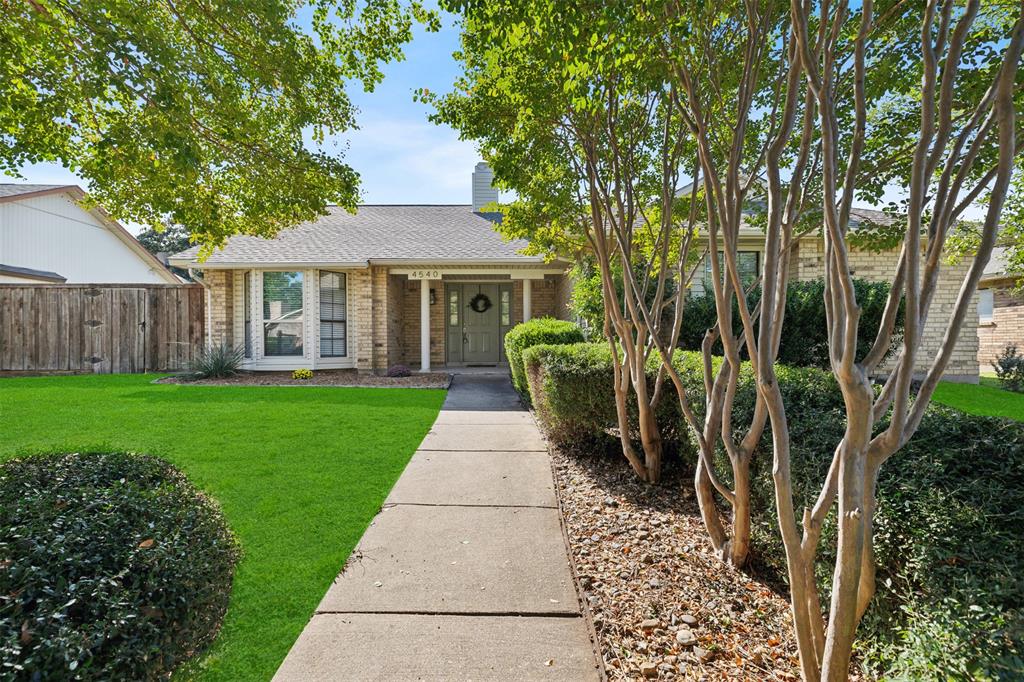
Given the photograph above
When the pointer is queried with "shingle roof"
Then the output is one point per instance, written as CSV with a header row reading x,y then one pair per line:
x,y
8,189
30,273
376,232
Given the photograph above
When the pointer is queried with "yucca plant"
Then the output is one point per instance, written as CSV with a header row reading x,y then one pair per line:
x,y
217,362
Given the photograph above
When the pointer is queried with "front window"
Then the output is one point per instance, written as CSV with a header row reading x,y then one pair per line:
x,y
282,313
333,315
506,308
453,307
746,261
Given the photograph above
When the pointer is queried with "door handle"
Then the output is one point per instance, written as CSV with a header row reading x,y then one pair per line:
x,y
465,339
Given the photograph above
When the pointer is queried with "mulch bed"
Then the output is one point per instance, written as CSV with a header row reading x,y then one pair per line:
x,y
663,605
321,377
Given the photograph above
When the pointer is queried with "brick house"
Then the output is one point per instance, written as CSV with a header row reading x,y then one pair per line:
x,y
808,263
1000,311
434,286
425,286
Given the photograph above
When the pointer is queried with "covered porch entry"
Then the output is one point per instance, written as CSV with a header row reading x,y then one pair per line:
x,y
464,313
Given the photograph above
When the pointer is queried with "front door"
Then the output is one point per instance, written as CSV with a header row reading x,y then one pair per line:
x,y
481,334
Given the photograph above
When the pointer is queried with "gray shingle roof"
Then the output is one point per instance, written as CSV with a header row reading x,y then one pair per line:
x,y
8,189
30,273
376,232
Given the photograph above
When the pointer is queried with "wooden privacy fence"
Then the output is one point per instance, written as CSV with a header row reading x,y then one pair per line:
x,y
102,328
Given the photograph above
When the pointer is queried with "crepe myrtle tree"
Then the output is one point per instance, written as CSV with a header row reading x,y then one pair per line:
x,y
582,127
195,113
737,86
943,125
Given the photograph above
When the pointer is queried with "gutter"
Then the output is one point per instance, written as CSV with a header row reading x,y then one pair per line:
x,y
524,260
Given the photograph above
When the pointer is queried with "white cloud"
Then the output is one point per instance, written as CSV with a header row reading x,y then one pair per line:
x,y
409,162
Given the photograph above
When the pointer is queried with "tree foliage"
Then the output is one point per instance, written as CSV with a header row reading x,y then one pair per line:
x,y
195,113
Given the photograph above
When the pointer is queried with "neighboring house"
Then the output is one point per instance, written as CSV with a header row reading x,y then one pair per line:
x,y
1000,311
48,236
420,285
808,263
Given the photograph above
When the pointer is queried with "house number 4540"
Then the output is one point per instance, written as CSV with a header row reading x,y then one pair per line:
x,y
425,274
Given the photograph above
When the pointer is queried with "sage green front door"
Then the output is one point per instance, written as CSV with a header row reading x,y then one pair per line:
x,y
481,335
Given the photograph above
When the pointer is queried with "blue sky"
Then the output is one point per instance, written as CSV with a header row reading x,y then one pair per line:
x,y
401,157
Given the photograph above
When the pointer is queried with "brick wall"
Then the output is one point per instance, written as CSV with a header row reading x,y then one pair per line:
x,y
1007,326
361,299
563,295
221,283
411,322
396,318
881,267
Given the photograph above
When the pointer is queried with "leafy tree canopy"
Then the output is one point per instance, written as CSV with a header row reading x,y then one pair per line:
x,y
195,113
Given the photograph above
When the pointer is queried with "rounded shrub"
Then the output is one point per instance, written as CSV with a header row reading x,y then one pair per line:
x,y
112,566
533,333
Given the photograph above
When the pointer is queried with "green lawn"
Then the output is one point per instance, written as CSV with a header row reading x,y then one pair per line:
x,y
300,472
986,398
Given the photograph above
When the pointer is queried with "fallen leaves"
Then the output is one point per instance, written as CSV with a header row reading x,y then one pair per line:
x,y
663,605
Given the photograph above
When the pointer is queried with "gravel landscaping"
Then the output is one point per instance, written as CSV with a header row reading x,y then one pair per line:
x,y
321,377
663,606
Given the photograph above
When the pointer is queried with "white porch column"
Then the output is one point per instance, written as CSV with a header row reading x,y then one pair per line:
x,y
527,296
424,325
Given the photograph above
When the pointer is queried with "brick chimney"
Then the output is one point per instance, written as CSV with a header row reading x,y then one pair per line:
x,y
483,191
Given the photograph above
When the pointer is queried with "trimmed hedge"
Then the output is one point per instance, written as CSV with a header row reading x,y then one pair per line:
x,y
531,333
112,566
949,538
572,393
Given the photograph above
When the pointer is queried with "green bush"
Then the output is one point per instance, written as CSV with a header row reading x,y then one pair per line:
x,y
949,539
217,362
1009,367
532,333
804,341
112,566
572,392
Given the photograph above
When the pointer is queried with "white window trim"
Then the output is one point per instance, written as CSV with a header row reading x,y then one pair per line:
x,y
349,360
310,358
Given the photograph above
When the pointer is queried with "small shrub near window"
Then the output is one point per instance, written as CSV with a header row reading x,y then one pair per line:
x,y
1009,367
218,362
112,566
532,333
302,374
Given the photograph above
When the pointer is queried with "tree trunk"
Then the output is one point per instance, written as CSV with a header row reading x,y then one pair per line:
x,y
739,544
708,509
843,614
650,439
866,589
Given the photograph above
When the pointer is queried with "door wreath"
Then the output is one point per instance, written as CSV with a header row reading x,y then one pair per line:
x,y
480,303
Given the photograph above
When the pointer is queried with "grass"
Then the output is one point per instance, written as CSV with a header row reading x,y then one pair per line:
x,y
986,398
299,472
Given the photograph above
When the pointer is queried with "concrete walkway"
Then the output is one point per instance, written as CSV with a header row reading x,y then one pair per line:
x,y
464,574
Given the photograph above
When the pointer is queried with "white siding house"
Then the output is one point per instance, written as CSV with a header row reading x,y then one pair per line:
x,y
46,236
